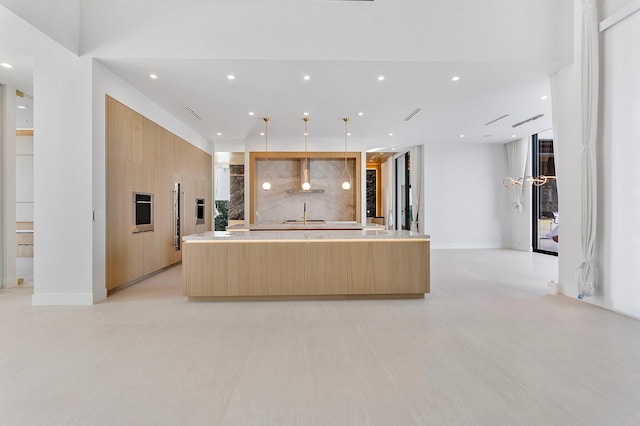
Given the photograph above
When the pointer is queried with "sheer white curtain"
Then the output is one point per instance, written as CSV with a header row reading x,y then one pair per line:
x,y
415,177
517,161
588,273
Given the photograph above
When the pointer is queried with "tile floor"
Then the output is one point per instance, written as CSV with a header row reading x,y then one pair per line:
x,y
486,347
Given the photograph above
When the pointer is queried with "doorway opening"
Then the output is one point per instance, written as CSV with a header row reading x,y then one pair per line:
x,y
403,192
546,218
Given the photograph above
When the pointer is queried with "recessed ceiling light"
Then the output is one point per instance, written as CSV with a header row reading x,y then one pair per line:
x,y
462,136
6,65
380,77
231,77
306,113
361,114
390,134
22,107
250,112
305,134
219,134
393,149
514,136
455,78
307,77
153,76
261,133
348,134
545,97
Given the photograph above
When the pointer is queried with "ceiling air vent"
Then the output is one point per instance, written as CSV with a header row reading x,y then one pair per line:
x,y
497,119
528,120
195,114
412,113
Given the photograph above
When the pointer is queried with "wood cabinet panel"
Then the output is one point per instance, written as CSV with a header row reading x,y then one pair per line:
x,y
119,220
189,202
178,152
205,269
164,150
136,257
367,267
247,269
287,268
118,129
149,141
137,138
206,166
142,177
327,272
148,253
409,267
163,218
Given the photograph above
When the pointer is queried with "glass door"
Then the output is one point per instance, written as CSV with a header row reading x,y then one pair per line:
x,y
546,218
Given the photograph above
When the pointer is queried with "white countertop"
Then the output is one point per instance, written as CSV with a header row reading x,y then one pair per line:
x,y
308,235
301,226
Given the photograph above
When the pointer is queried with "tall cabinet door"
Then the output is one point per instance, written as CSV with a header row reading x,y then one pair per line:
x,y
247,269
324,280
368,267
409,267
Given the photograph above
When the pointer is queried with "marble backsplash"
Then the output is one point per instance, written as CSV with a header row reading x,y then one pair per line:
x,y
278,205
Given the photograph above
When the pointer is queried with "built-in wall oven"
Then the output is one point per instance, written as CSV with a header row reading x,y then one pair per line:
x,y
199,211
142,212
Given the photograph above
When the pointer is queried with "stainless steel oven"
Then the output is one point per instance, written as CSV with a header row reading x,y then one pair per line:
x,y
199,211
142,212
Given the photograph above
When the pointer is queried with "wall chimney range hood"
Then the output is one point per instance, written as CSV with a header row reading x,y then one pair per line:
x,y
305,176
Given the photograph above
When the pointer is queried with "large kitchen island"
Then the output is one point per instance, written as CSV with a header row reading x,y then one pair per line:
x,y
305,264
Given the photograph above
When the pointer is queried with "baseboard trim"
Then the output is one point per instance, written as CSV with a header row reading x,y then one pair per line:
x,y
454,246
10,282
62,299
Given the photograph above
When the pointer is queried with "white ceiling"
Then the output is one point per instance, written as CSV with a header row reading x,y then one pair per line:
x,y
503,54
336,89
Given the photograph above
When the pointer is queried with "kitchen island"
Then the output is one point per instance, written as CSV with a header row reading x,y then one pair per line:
x,y
305,264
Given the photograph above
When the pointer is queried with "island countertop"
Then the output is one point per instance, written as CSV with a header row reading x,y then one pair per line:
x,y
305,235
301,226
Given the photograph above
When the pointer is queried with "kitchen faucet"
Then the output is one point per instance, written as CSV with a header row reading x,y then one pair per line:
x,y
304,213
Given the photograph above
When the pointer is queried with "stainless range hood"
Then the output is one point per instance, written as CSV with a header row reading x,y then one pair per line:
x,y
305,176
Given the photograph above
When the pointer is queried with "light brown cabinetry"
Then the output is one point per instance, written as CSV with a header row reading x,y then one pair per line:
x,y
142,156
368,267
323,279
199,281
343,269
246,269
409,267
287,269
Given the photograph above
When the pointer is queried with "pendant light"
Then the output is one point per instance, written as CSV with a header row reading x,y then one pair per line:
x,y
306,180
266,185
346,174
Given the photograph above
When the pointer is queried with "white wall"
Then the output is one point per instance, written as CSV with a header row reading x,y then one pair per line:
x,y
62,181
465,203
619,205
618,234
